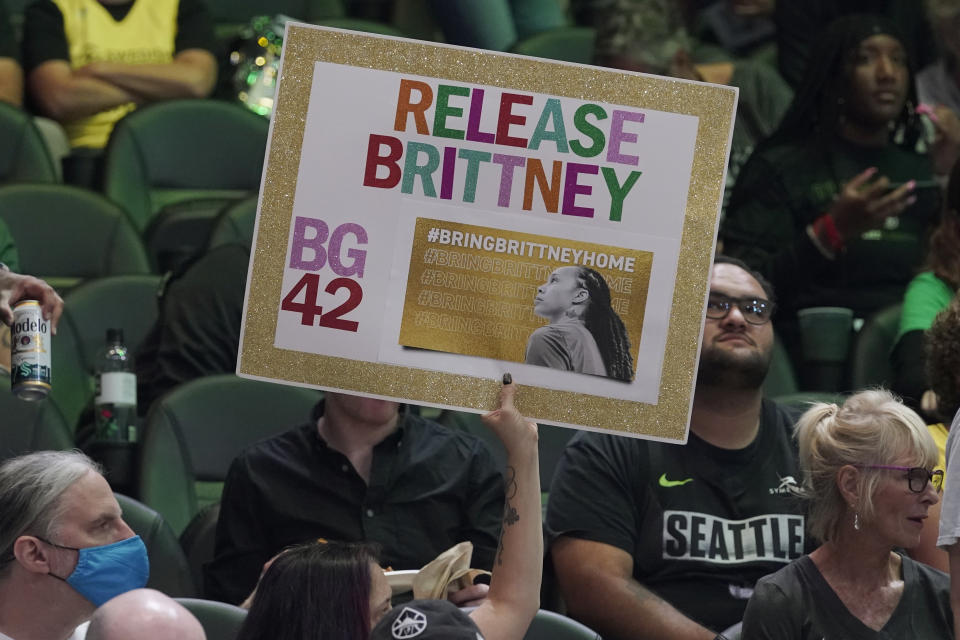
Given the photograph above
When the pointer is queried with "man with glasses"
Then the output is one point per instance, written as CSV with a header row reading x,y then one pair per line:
x,y
654,540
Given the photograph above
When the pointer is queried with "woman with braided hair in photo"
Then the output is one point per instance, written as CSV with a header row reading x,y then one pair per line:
x,y
585,334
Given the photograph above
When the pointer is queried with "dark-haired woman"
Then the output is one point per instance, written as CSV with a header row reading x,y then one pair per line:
x,y
585,334
835,207
343,584
337,592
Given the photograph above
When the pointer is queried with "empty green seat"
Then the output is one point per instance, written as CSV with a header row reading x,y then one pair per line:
x,y
234,225
870,366
181,150
194,432
569,44
30,426
23,154
359,24
66,235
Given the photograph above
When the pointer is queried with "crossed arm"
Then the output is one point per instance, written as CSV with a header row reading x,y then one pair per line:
x,y
66,94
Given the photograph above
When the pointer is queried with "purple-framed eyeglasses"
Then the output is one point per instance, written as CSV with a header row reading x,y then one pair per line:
x,y
917,477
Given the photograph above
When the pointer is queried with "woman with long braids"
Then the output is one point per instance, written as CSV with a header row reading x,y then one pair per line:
x,y
585,334
835,207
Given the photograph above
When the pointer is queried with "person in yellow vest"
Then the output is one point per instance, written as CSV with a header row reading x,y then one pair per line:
x,y
90,62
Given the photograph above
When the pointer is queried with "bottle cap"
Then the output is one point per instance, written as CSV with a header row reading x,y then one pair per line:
x,y
115,336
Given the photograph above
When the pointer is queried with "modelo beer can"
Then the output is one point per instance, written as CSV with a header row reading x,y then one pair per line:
x,y
30,352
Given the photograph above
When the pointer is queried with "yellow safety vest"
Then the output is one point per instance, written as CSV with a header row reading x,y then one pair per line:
x,y
146,35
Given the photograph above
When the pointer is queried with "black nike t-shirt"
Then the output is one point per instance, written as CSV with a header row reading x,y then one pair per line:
x,y
702,524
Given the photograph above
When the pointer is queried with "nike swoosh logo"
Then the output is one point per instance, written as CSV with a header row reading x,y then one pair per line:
x,y
673,483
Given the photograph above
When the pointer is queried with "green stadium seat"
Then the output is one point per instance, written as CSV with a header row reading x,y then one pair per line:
x,y
548,625
195,431
359,24
67,235
30,426
234,225
181,150
870,366
23,154
220,621
569,44
169,572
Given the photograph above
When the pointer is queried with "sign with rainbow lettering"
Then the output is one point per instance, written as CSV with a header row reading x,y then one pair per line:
x,y
432,217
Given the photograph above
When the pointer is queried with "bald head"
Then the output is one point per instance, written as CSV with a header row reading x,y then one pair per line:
x,y
143,614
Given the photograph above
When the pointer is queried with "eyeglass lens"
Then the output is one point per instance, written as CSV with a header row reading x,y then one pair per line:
x,y
754,310
918,478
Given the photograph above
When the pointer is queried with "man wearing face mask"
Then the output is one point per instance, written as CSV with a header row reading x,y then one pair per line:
x,y
64,547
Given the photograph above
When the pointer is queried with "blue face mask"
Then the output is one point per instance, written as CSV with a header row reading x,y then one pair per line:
x,y
107,571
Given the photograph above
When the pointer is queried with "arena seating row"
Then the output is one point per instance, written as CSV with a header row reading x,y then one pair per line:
x,y
190,437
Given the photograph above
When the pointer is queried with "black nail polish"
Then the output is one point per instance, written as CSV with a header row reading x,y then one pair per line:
x,y
507,378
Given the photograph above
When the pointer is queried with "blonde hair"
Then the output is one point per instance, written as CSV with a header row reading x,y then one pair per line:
x,y
872,427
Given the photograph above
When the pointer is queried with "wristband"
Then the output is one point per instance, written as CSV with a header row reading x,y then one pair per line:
x,y
826,229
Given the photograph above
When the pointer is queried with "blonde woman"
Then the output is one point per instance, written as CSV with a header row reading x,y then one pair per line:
x,y
868,476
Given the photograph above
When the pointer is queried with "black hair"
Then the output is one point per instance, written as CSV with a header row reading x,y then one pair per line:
x,y
606,326
943,250
756,275
816,109
942,348
315,591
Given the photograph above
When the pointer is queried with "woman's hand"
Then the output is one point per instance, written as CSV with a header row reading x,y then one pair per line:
x,y
15,287
863,205
514,431
514,594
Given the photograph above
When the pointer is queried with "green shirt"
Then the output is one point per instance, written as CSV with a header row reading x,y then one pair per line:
x,y
926,296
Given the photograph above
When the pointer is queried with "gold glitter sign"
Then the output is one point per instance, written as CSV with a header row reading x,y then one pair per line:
x,y
514,297
434,216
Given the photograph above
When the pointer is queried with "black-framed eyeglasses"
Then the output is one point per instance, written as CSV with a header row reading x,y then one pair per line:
x,y
754,310
917,477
